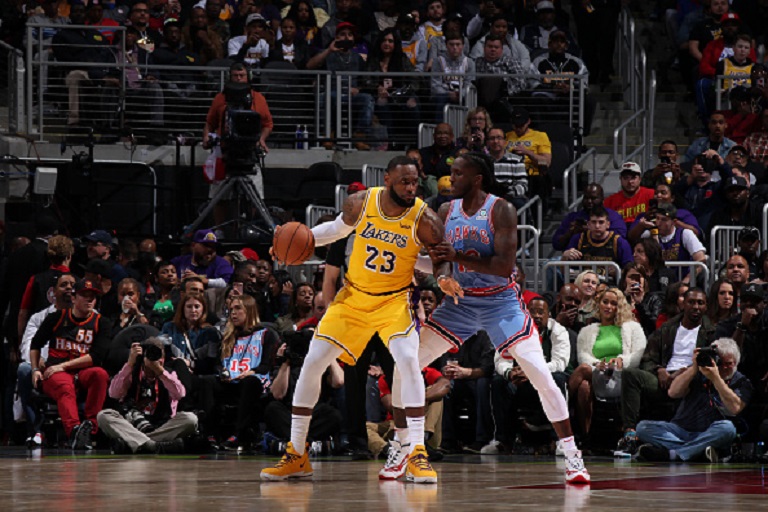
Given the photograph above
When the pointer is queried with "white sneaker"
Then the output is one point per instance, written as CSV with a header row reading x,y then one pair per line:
x,y
491,448
575,472
35,441
559,452
397,461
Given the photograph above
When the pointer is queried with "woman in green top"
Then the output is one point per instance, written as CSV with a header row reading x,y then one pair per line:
x,y
616,340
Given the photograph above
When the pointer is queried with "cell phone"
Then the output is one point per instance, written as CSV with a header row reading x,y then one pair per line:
x,y
345,44
665,160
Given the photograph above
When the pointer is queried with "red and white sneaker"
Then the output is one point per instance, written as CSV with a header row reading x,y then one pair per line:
x,y
575,472
397,461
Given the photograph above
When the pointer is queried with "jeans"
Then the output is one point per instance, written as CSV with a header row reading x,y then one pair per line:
x,y
24,386
687,445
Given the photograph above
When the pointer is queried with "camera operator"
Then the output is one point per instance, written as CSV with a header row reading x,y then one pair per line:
x,y
149,394
214,124
712,393
326,419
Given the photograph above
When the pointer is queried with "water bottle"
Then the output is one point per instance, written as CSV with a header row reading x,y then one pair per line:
x,y
299,137
302,276
305,137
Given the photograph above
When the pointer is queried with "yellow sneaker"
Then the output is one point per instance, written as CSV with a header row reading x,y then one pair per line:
x,y
292,465
419,470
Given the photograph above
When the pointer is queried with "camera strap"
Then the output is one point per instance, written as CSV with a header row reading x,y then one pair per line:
x,y
190,350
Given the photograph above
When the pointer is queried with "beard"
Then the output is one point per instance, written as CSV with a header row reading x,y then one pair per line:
x,y
399,201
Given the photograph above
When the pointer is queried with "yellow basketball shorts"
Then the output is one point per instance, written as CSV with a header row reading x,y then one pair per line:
x,y
354,317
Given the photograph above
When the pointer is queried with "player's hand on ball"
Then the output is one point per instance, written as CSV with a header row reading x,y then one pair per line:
x,y
450,287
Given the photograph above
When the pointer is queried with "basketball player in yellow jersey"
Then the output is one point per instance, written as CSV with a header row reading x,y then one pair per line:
x,y
391,226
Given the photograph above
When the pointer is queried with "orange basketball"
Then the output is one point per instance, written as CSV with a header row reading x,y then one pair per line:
x,y
293,243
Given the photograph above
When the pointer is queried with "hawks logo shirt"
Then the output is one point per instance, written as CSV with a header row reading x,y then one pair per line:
x,y
69,337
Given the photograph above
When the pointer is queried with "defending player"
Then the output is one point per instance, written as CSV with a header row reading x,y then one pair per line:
x,y
481,234
391,225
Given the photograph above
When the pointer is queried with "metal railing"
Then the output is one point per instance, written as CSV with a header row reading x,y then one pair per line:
x,y
455,116
599,267
528,253
721,93
570,179
13,61
373,175
340,195
527,208
313,213
690,266
426,134
765,227
722,242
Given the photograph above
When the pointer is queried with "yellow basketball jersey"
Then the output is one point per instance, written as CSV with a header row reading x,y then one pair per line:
x,y
385,248
739,75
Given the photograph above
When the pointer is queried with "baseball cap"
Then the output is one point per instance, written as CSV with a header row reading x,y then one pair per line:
x,y
631,167
444,186
250,254
738,147
252,18
345,25
205,236
355,186
736,182
519,117
730,16
544,6
99,267
86,285
558,34
172,22
752,290
749,232
99,235
667,210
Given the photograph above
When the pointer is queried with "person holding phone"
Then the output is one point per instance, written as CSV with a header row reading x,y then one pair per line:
x,y
645,304
667,169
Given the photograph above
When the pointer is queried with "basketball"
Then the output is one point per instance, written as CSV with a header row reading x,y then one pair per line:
x,y
293,243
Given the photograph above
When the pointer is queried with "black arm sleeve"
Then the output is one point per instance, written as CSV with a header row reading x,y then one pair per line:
x,y
45,333
337,253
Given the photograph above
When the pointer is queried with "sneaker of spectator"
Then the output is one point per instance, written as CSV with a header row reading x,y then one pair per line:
x,y
80,437
650,453
627,445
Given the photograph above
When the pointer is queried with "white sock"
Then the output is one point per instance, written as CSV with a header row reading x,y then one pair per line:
x,y
299,429
401,436
416,428
569,446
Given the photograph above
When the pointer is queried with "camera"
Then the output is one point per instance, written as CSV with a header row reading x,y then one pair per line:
x,y
708,356
139,421
665,160
296,347
152,352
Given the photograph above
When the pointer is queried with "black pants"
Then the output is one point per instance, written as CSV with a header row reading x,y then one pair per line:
x,y
355,380
596,33
325,422
245,395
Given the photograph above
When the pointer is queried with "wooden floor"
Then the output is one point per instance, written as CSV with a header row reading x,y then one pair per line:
x,y
59,481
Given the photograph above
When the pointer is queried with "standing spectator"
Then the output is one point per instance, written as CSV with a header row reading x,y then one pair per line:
x,y
596,24
575,223
615,342
669,352
632,199
459,72
250,48
203,262
711,395
537,150
78,341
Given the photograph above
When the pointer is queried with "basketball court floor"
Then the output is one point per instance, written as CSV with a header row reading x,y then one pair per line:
x,y
63,482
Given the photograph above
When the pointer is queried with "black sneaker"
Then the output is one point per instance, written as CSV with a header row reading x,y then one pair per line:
x,y
174,447
120,447
649,452
80,438
627,444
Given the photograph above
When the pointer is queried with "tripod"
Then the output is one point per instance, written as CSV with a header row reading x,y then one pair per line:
x,y
243,187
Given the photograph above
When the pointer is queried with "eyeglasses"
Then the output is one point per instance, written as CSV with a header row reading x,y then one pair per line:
x,y
495,137
141,10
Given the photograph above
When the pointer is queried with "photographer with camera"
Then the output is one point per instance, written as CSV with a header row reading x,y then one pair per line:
x,y
712,392
149,394
326,419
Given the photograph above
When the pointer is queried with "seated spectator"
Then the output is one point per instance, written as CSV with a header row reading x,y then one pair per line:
x,y
663,195
740,118
451,87
165,287
396,96
290,48
756,142
247,357
647,252
667,169
307,23
213,10
149,392
762,269
435,16
201,39
535,146
707,29
99,244
139,18
737,271
575,223
615,342
251,48
722,301
587,282
677,244
737,210
300,314
437,157
645,304
701,426
493,91
754,171
346,11
470,371
715,140
598,242
94,15
566,308
674,298
480,23
129,299
508,169
703,195
513,393
78,341
669,352
536,35
180,83
203,262
438,46
62,299
512,49
632,199
190,335
414,45
477,125
326,419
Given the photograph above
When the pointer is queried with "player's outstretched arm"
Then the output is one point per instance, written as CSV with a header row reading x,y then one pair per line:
x,y
502,262
343,225
431,233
